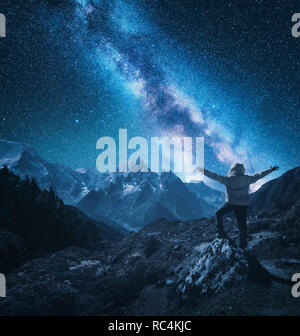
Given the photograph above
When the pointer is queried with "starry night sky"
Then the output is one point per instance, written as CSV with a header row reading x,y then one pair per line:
x,y
74,71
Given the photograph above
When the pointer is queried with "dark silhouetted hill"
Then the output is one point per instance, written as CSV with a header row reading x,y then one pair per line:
x,y
281,192
35,222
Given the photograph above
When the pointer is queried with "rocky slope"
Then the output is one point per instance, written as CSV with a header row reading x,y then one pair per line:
x,y
169,267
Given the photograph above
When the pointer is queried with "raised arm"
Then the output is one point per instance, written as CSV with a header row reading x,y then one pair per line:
x,y
219,178
262,174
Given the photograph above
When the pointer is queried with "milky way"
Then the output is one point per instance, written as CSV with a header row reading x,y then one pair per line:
x,y
119,68
165,107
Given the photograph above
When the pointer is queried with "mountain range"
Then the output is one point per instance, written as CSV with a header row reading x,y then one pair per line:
x,y
130,200
173,267
59,261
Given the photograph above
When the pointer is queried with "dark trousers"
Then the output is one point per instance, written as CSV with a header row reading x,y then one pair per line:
x,y
240,212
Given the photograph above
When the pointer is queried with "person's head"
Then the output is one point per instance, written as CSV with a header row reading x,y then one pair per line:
x,y
237,169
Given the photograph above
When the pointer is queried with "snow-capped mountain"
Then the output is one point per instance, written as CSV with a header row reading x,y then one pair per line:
x,y
69,184
130,199
135,199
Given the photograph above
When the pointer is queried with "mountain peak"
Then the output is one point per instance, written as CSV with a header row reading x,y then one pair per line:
x,y
11,152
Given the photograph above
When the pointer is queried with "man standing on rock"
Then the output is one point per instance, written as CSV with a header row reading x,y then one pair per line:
x,y
237,196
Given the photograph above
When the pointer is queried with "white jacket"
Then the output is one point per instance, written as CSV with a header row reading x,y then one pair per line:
x,y
237,183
